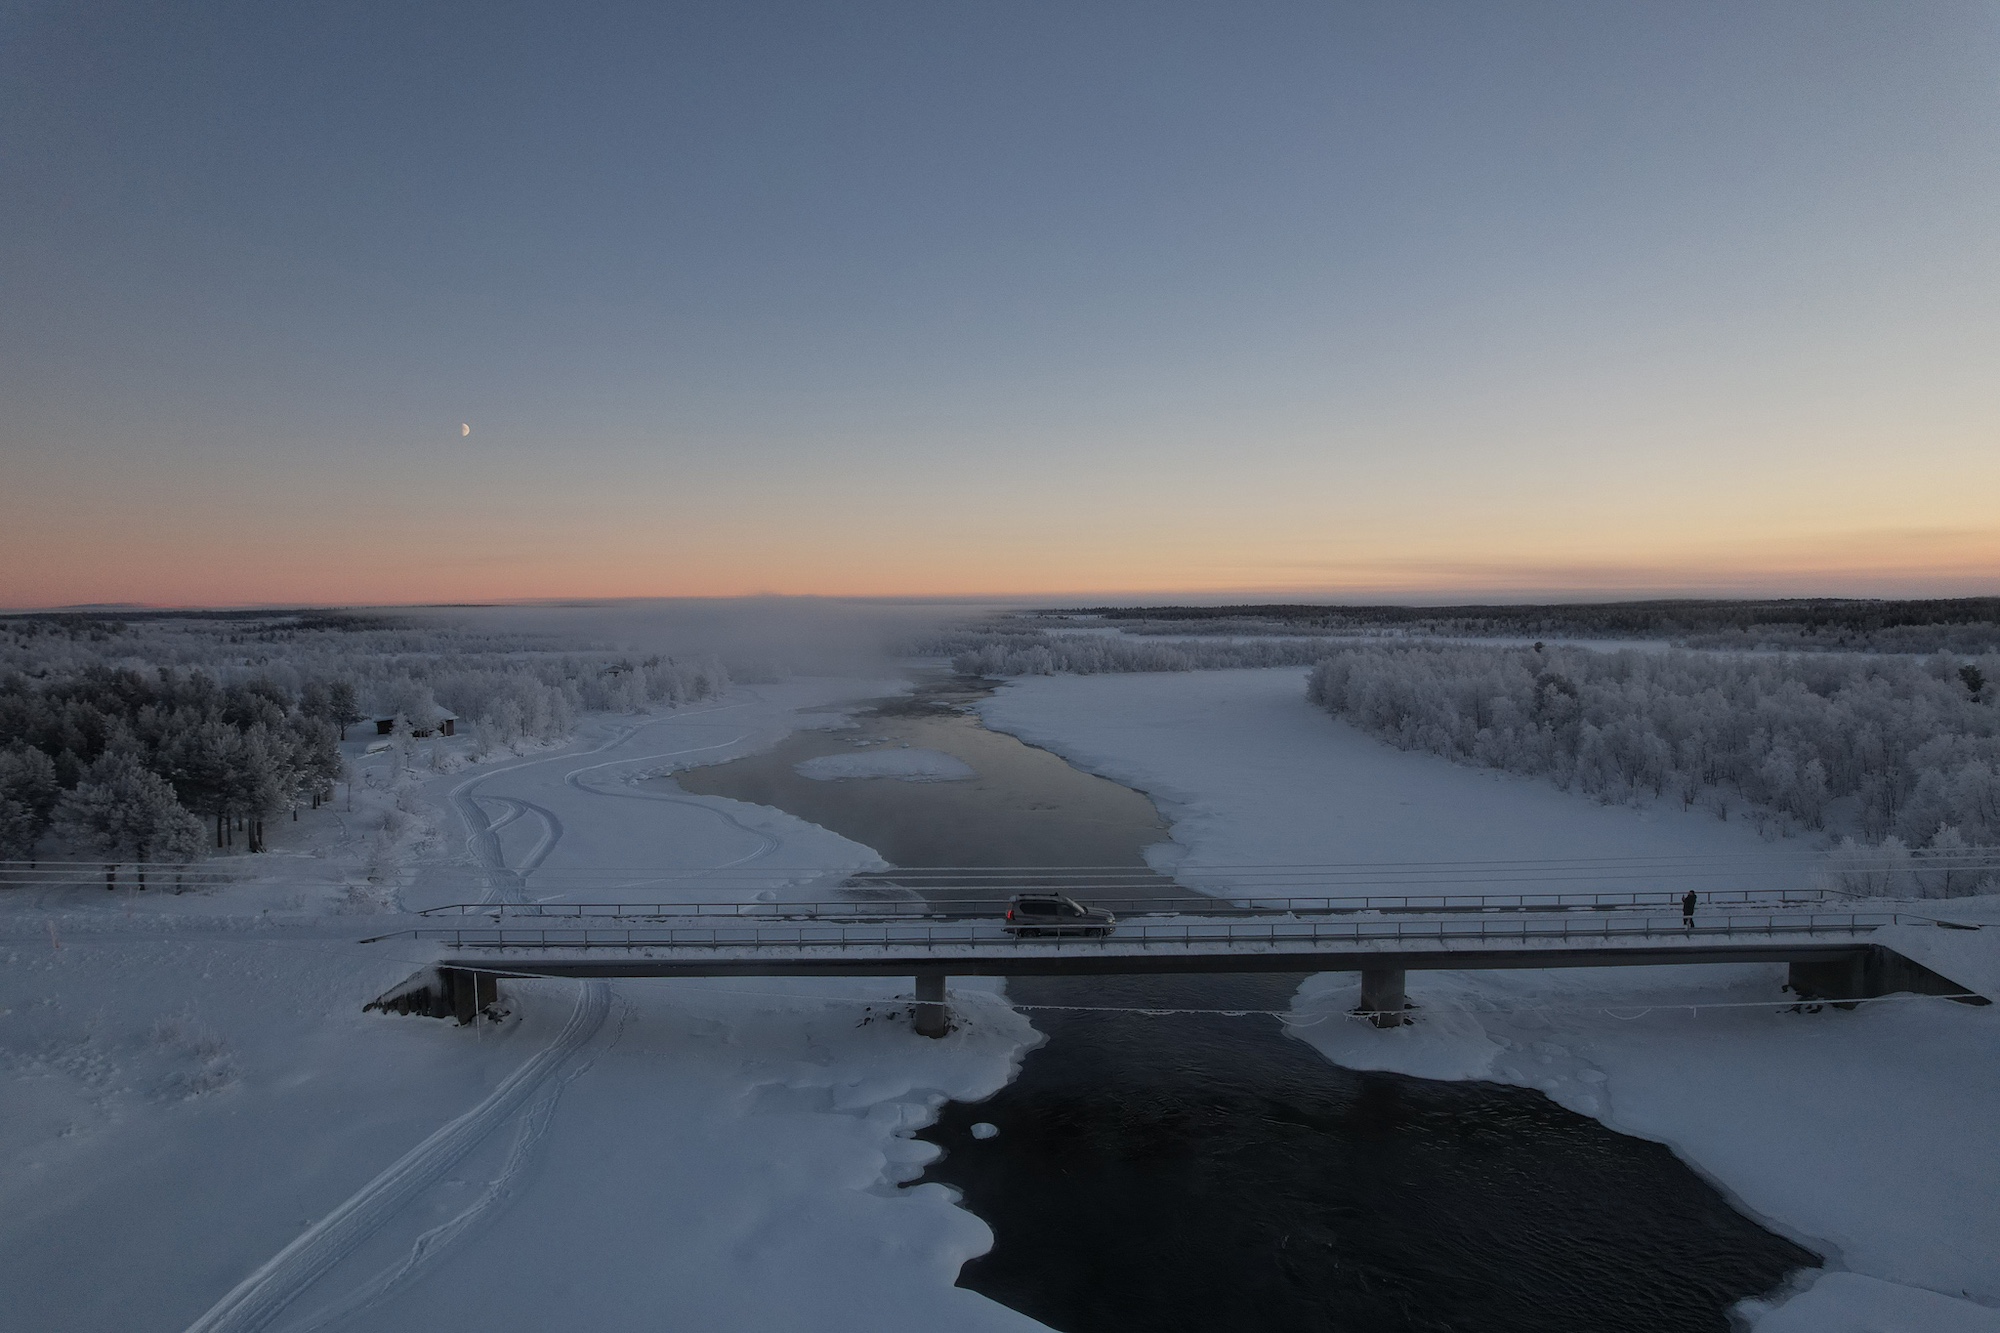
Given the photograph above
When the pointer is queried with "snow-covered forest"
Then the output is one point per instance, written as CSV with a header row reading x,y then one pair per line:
x,y
1966,625
150,738
1896,751
1034,653
119,762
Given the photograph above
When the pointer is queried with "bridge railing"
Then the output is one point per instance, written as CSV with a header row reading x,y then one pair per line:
x,y
1247,935
972,908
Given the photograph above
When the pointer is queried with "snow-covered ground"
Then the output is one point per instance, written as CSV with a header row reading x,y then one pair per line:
x,y
1868,1135
200,1129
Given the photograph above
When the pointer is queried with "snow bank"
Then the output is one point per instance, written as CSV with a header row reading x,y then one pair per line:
x,y
907,765
1252,774
1851,1303
1866,1135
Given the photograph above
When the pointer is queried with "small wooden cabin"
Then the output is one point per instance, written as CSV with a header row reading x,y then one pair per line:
x,y
446,724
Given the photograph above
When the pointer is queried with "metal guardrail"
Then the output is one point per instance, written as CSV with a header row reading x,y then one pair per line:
x,y
1187,902
1442,875
1263,934
166,875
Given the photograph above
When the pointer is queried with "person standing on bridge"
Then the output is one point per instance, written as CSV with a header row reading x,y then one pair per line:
x,y
1687,910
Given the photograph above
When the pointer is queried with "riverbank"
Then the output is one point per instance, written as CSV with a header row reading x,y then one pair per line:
x,y
1864,1135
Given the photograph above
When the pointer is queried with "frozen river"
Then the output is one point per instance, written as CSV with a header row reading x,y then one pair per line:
x,y
1210,1172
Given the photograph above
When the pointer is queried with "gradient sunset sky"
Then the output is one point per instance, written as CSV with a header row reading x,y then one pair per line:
x,y
1345,300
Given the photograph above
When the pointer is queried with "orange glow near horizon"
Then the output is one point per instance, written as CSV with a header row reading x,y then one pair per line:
x,y
371,563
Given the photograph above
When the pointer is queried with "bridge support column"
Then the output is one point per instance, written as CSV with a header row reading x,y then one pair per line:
x,y
466,994
932,1019
1832,980
1382,998
461,992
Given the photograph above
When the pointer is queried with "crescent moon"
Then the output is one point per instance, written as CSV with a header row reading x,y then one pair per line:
x,y
463,430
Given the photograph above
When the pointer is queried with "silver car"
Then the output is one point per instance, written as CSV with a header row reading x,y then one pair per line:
x,y
1036,915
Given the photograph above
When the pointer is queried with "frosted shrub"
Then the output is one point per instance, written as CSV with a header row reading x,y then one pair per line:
x,y
1880,872
204,1060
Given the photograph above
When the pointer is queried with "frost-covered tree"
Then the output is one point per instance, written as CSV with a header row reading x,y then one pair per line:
x,y
28,795
343,710
122,811
319,763
202,760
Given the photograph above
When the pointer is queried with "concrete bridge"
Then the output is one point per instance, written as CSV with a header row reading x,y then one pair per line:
x,y
1828,952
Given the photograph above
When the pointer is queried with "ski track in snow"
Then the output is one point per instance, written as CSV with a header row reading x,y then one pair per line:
x,y
261,1297
534,1123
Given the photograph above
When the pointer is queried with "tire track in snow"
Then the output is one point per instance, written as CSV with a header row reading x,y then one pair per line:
x,y
482,840
259,1298
766,844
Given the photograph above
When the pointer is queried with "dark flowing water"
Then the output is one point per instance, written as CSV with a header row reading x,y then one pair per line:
x,y
1211,1174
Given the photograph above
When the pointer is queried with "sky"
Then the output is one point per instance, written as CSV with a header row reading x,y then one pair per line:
x,y
390,303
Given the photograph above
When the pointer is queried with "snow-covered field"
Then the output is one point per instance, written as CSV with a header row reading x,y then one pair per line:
x,y
1868,1135
201,1129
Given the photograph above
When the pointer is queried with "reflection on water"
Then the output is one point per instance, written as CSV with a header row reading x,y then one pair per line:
x,y
1209,1173
1025,807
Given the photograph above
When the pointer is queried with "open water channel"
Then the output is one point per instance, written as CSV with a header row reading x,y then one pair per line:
x,y
1209,1173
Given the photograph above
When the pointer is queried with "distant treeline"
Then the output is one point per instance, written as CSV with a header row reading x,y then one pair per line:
x,y
1964,625
1032,653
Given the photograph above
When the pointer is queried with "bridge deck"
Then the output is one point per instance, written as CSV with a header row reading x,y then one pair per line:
x,y
1158,944
982,903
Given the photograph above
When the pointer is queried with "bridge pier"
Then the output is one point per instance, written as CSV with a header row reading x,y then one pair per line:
x,y
1834,980
1382,997
1869,973
930,1016
467,994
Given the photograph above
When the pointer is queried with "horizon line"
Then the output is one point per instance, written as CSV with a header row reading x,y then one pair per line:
x,y
1070,601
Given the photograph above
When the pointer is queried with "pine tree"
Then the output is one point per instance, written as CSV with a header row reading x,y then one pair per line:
x,y
121,810
28,795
